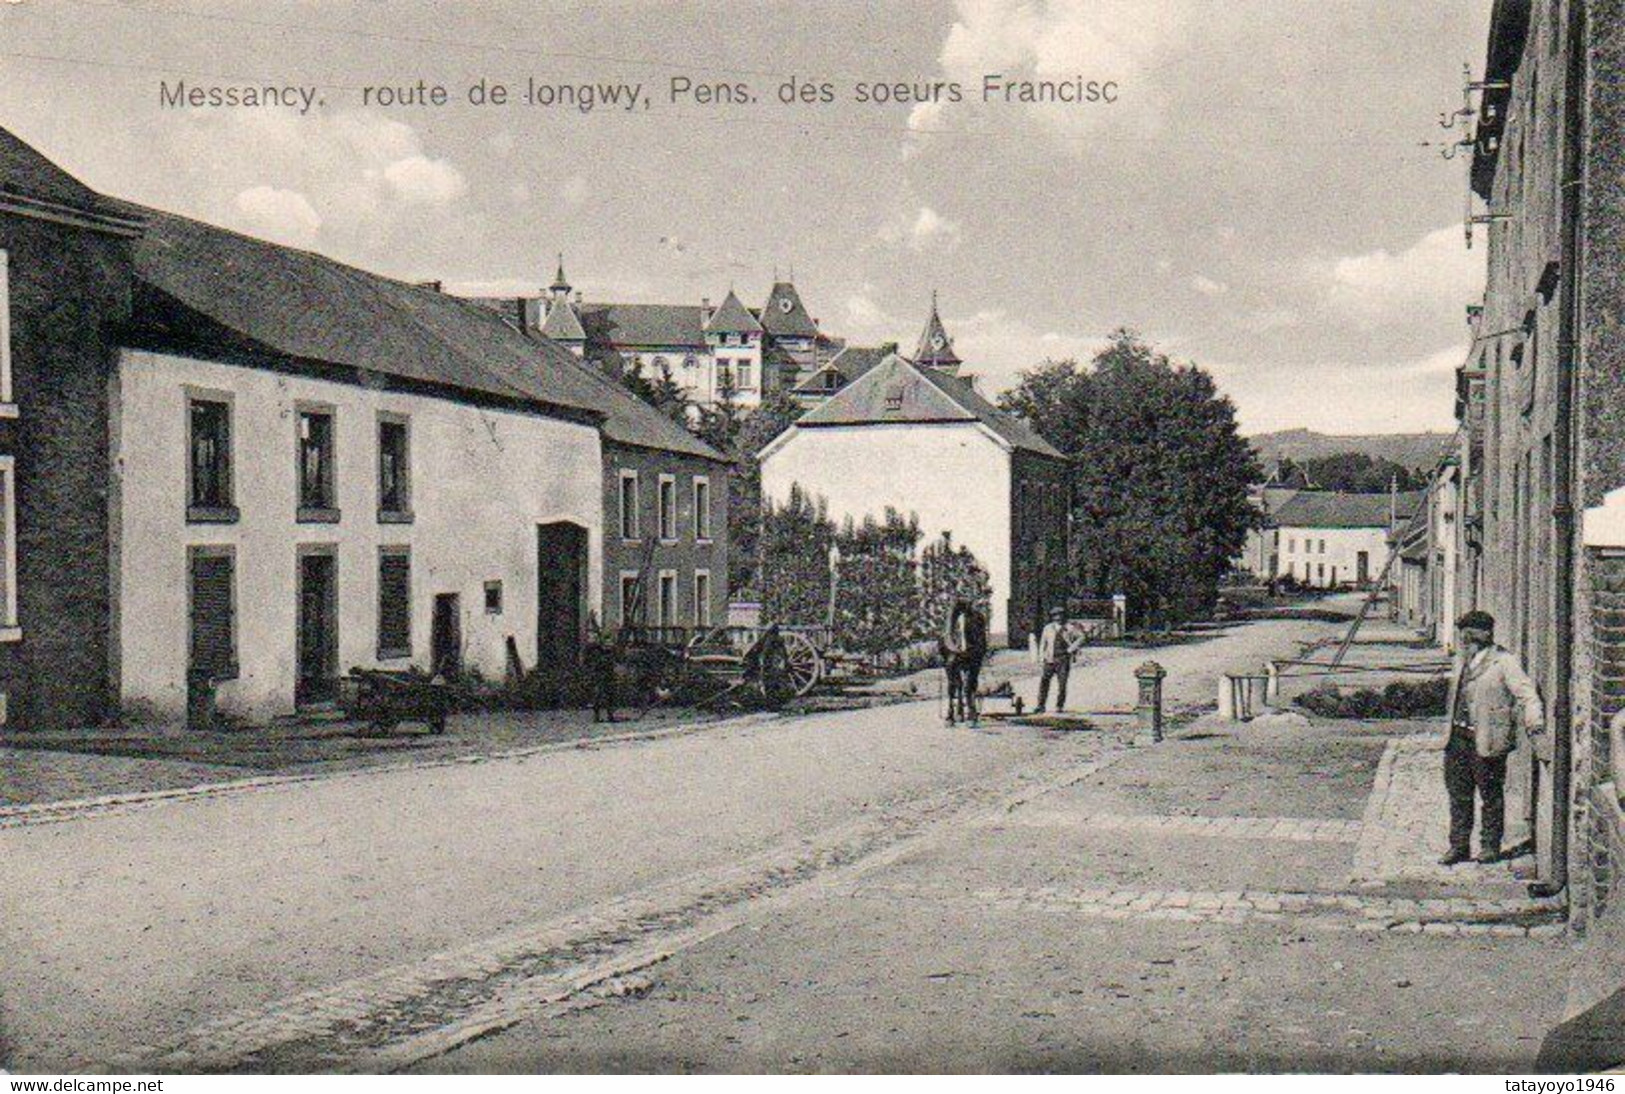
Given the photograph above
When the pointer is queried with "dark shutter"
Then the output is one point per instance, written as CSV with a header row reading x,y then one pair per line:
x,y
395,604
213,650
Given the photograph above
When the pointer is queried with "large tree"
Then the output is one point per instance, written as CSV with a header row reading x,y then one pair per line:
x,y
1160,474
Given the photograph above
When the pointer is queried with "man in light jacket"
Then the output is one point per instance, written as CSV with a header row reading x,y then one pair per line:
x,y
1054,660
1490,696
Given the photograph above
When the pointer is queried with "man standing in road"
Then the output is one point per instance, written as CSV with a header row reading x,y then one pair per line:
x,y
1054,659
1489,695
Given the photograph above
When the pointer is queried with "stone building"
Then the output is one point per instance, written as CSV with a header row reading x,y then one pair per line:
x,y
1542,459
237,461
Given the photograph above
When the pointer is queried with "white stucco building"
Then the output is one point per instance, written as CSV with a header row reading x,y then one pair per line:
x,y
315,468
919,440
1326,539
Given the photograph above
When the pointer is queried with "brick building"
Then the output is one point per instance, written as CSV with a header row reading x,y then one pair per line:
x,y
1542,459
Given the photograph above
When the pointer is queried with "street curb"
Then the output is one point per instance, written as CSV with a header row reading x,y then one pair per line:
x,y
23,816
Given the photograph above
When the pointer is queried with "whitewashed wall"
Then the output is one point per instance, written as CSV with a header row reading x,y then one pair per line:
x,y
953,476
1302,557
481,481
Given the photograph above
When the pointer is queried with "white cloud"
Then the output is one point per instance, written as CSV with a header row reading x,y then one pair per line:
x,y
285,216
1115,40
1209,287
1436,272
420,180
924,230
356,171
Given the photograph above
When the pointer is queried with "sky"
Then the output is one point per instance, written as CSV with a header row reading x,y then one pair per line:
x,y
1256,198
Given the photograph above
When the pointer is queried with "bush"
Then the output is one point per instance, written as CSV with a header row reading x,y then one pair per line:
x,y
1400,699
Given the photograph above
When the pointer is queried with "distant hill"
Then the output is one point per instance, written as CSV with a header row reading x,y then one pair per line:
x,y
1418,450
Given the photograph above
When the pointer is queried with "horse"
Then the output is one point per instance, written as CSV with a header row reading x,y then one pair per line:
x,y
963,648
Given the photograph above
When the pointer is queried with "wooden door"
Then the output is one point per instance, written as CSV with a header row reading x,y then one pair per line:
x,y
561,594
318,627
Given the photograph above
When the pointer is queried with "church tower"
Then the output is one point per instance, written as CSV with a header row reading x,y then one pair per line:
x,y
562,324
936,349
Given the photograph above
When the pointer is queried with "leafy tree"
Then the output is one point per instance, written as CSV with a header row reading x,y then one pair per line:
x,y
877,601
947,574
1360,473
777,412
659,389
1160,474
795,540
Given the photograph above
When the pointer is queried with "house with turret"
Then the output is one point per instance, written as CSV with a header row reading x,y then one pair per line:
x,y
713,352
913,434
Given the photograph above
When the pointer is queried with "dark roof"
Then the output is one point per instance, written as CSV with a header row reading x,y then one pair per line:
x,y
303,306
784,316
898,390
628,419
24,171
561,323
936,349
732,318
851,363
1333,509
670,325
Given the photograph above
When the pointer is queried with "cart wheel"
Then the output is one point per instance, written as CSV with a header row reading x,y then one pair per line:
x,y
803,662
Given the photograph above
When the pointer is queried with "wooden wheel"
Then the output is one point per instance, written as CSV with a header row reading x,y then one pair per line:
x,y
802,661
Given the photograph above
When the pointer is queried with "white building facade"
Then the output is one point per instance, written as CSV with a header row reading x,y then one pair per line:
x,y
461,564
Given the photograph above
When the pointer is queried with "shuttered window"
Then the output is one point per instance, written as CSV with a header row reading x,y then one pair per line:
x,y
209,473
394,602
214,612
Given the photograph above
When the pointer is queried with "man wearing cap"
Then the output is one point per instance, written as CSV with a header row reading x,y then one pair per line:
x,y
1054,659
1490,695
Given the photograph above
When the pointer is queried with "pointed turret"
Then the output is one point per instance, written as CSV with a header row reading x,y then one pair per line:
x,y
784,315
561,284
936,349
564,326
733,318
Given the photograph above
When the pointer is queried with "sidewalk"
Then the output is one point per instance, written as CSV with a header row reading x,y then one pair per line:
x,y
1242,897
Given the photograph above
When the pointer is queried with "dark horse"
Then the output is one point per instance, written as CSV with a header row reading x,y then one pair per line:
x,y
963,647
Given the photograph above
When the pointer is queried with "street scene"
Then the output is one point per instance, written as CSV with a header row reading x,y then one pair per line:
x,y
982,537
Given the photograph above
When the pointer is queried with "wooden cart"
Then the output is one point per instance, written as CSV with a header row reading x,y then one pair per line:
x,y
385,699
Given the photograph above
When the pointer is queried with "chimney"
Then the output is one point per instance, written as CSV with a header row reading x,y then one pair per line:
x,y
434,286
705,310
578,298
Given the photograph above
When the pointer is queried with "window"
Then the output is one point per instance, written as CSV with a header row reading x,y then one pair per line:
x,y
209,493
629,505
747,379
493,598
631,606
394,470
702,598
317,495
1322,546
394,602
5,336
666,608
1291,545
702,508
691,362
1322,574
660,366
668,508
212,610
9,630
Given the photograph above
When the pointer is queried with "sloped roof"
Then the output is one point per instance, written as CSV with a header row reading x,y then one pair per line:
x,y
733,318
1334,509
784,316
221,289
898,390
852,362
24,171
669,325
561,323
